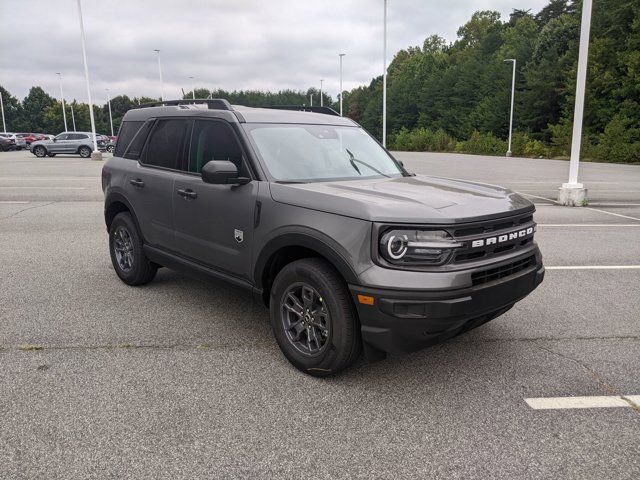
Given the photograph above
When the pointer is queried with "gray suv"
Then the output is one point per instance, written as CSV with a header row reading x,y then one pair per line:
x,y
80,143
310,214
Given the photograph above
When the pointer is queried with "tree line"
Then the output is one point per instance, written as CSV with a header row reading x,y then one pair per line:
x,y
444,97
456,96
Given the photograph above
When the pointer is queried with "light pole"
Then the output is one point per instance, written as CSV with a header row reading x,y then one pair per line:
x,y
4,125
321,102
573,193
193,88
341,55
110,117
73,117
96,153
384,79
160,74
513,92
311,99
64,114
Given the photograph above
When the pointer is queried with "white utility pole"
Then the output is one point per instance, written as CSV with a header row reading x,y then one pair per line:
x,y
64,113
311,99
110,117
321,102
4,124
193,88
73,117
513,93
573,193
384,79
97,156
160,74
341,55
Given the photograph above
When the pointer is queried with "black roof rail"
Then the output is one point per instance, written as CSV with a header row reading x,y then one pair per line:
x,y
303,108
212,103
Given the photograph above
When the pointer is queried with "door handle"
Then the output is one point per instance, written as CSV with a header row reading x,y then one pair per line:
x,y
188,193
136,182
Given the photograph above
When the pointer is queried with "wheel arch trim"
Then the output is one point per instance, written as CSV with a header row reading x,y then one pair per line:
x,y
308,239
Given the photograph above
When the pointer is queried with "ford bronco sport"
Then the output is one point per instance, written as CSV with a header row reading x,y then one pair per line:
x,y
309,213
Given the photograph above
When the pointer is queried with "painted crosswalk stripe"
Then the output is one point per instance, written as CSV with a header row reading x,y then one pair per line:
x,y
558,403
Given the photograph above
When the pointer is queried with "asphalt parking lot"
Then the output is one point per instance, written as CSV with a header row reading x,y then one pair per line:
x,y
183,379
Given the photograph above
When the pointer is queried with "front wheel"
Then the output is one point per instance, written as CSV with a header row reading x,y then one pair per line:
x,y
51,155
127,255
85,152
313,319
39,151
110,148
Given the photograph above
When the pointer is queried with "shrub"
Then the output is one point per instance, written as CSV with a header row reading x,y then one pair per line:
x,y
483,144
620,142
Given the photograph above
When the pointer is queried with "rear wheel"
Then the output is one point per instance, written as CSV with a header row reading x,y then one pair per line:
x,y
313,319
51,155
110,148
85,152
39,151
127,255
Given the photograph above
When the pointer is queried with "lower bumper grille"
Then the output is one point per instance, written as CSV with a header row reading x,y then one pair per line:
x,y
502,271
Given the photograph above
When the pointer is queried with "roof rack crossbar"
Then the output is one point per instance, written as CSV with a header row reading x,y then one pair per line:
x,y
304,108
212,103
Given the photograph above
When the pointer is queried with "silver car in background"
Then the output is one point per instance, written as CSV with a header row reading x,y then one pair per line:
x,y
19,141
80,143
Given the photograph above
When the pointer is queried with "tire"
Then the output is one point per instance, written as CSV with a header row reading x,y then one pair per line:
x,y
110,148
135,269
51,155
340,344
39,151
85,152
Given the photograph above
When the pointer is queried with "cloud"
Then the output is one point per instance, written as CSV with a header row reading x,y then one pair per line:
x,y
266,45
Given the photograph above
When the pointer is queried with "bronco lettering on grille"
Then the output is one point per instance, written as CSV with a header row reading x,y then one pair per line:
x,y
502,238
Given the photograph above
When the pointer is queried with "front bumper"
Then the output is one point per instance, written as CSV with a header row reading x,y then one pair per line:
x,y
402,321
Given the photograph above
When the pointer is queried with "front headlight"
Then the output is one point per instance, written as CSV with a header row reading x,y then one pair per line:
x,y
416,247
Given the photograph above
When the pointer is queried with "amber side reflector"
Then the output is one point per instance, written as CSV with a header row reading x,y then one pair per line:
x,y
365,299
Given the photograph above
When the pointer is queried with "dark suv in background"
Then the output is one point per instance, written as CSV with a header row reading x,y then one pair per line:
x,y
307,211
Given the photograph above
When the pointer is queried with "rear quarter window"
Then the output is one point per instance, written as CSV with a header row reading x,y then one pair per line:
x,y
127,131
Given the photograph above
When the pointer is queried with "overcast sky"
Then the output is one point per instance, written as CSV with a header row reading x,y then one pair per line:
x,y
230,44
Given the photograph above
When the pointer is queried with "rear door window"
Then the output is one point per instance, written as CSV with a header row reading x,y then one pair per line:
x,y
166,144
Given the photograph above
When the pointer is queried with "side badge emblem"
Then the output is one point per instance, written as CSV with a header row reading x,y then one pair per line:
x,y
238,235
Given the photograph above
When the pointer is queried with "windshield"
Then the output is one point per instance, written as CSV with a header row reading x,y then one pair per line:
x,y
307,153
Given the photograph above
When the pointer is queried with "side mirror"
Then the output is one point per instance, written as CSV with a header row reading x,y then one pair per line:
x,y
222,172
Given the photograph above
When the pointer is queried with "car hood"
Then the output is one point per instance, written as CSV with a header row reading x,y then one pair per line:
x,y
415,199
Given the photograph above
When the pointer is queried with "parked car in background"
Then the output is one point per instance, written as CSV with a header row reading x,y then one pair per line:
x,y
29,138
111,146
80,143
7,144
19,141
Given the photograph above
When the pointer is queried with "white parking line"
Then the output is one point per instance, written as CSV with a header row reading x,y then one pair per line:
x,y
554,403
593,267
12,201
611,213
588,225
50,188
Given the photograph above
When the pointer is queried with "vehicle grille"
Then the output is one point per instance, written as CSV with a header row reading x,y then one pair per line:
x,y
502,271
467,233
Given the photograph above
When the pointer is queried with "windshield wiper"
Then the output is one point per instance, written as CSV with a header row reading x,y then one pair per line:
x,y
353,160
